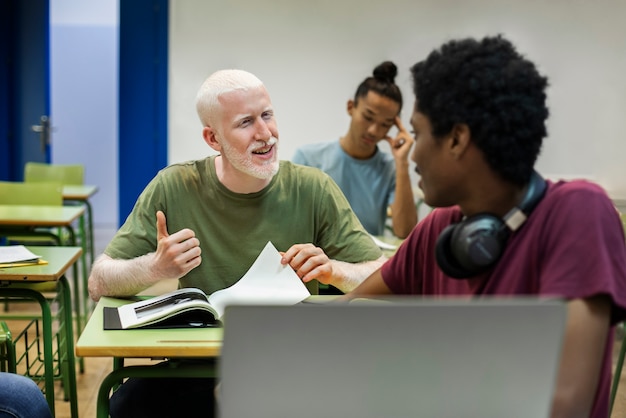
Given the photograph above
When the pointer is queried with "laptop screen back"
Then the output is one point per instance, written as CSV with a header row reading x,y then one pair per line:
x,y
407,359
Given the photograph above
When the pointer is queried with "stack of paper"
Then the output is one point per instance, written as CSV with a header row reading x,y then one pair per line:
x,y
17,255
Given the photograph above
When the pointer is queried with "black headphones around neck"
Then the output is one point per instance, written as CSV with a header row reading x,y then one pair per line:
x,y
475,244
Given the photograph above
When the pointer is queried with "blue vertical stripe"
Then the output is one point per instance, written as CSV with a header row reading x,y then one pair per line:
x,y
142,97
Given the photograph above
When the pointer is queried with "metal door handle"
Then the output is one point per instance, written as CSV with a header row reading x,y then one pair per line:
x,y
44,132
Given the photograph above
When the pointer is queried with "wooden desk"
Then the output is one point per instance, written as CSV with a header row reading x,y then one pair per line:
x,y
199,343
12,284
23,219
30,216
81,194
144,343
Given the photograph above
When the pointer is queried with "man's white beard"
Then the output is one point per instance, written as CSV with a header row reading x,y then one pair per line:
x,y
245,164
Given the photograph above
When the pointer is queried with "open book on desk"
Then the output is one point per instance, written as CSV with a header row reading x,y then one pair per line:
x,y
267,282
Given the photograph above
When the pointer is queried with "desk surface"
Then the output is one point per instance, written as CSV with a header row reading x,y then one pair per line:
x,y
59,260
145,343
79,192
150,343
34,215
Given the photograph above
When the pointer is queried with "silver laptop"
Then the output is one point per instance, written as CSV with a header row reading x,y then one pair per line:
x,y
408,358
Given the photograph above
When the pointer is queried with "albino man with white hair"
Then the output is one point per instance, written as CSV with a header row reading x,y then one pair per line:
x,y
203,222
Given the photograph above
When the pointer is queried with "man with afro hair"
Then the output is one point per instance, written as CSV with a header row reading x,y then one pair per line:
x,y
500,229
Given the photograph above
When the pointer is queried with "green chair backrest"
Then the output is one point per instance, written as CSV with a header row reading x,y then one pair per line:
x,y
22,193
66,174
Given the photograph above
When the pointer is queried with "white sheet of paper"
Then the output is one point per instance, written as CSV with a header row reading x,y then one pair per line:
x,y
266,282
383,245
15,254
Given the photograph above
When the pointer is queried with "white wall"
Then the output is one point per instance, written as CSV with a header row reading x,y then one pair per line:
x,y
84,86
313,54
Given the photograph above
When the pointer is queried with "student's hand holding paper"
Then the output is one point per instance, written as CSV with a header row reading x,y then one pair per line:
x,y
176,254
309,262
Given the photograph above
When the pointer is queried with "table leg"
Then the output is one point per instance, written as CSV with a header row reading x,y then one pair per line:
x,y
70,360
90,239
181,369
87,238
90,244
78,300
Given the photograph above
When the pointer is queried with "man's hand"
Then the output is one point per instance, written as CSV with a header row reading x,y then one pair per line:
x,y
309,262
176,254
403,210
401,144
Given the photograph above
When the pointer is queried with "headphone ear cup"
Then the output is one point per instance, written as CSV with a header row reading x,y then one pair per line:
x,y
478,242
470,247
444,256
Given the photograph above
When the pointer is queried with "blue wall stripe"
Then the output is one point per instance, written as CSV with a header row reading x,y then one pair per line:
x,y
6,35
142,97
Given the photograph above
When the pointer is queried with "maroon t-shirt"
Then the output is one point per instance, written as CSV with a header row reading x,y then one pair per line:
x,y
572,246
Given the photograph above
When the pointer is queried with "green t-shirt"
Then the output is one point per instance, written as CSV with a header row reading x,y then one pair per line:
x,y
300,205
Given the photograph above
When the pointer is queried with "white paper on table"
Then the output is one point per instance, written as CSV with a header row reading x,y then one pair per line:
x,y
383,245
16,254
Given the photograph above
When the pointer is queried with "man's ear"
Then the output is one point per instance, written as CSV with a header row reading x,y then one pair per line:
x,y
460,139
208,134
350,106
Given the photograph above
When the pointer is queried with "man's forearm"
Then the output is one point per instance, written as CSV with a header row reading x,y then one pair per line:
x,y
347,276
403,209
112,277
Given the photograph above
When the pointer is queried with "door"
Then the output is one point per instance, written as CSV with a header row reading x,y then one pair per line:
x,y
25,85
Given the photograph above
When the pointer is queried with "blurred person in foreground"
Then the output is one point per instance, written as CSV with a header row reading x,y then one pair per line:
x,y
20,397
499,228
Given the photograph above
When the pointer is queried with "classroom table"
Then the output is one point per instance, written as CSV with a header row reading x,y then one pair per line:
x,y
23,219
181,343
30,216
12,280
199,343
81,193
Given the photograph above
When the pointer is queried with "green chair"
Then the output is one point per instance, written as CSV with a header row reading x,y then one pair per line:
x,y
22,193
40,194
7,350
37,194
49,194
66,174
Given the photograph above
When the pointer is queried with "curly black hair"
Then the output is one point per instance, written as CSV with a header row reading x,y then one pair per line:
x,y
382,82
500,95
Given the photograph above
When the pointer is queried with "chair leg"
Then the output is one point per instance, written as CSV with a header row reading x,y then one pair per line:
x,y
7,351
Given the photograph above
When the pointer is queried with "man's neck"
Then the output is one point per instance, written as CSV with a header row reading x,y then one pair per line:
x,y
492,195
348,146
236,181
